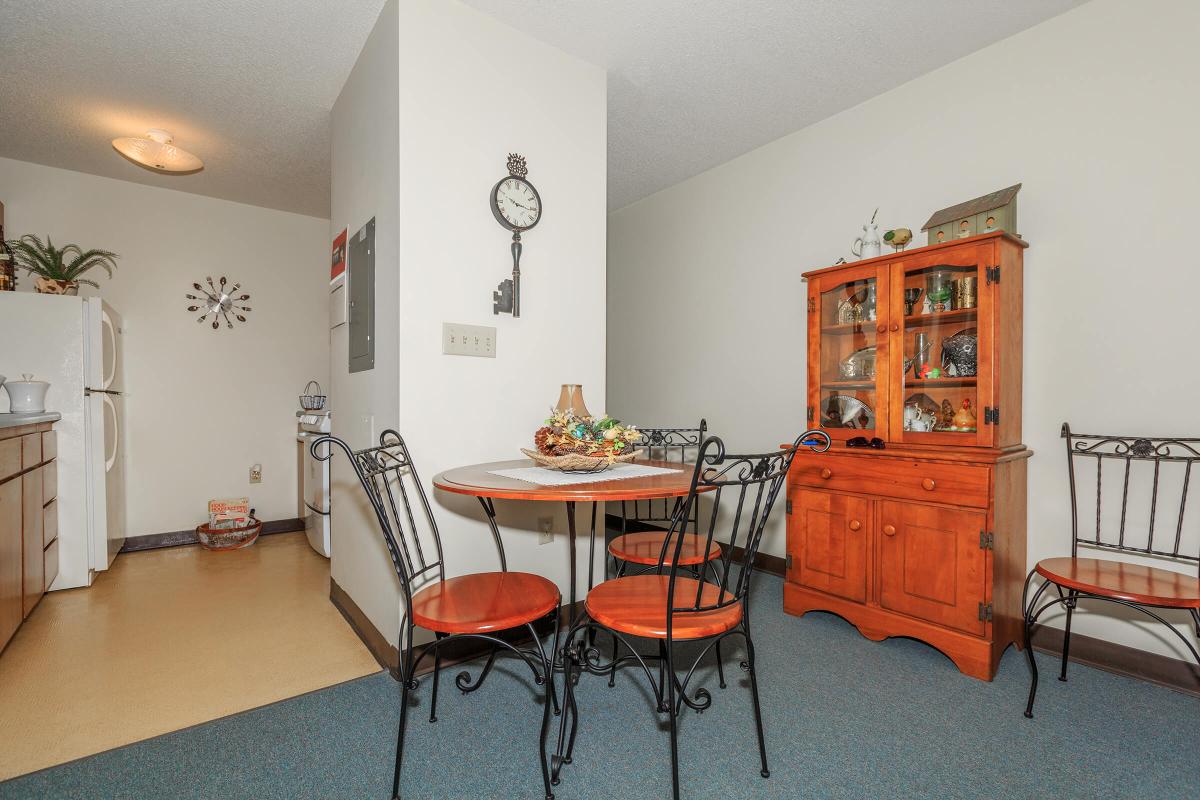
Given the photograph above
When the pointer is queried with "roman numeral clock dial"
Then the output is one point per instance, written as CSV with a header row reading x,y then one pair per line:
x,y
517,206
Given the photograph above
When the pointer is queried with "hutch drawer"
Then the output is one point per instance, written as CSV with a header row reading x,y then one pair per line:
x,y
904,478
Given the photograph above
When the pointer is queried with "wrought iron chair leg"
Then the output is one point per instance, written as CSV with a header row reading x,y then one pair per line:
x,y
1033,670
762,744
437,671
550,702
612,672
720,665
662,669
406,685
673,713
463,679
1071,602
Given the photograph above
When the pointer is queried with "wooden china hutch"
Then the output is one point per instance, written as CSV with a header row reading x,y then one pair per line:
x,y
913,523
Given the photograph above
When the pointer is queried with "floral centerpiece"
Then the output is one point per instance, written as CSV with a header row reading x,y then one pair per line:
x,y
574,443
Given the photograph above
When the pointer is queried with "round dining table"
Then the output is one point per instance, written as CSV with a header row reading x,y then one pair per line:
x,y
481,482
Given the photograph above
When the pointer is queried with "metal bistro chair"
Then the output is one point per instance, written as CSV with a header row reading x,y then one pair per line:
x,y
743,490
645,550
1167,464
477,606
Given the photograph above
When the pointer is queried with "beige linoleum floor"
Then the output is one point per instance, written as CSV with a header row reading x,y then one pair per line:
x,y
167,639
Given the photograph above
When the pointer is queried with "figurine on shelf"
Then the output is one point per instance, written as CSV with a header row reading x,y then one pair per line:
x,y
898,238
947,418
929,371
964,420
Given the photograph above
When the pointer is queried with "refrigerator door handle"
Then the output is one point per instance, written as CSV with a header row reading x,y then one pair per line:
x,y
110,460
106,328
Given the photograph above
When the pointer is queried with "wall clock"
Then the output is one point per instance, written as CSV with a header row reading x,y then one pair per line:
x,y
219,303
517,206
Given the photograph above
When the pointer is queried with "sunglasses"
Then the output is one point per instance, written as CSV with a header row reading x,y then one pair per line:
x,y
861,441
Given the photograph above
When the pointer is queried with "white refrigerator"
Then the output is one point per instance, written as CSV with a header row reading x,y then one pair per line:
x,y
74,343
104,426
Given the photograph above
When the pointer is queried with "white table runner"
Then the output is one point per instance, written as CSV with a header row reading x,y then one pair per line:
x,y
552,477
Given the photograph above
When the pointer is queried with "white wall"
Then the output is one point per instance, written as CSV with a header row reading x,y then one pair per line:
x,y
190,434
366,184
459,117
1088,110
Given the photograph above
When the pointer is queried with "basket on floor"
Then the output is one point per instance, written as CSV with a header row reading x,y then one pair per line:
x,y
229,538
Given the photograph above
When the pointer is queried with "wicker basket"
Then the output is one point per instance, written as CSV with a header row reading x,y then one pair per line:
x,y
312,399
574,462
229,538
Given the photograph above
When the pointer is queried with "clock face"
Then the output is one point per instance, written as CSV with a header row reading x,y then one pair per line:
x,y
516,204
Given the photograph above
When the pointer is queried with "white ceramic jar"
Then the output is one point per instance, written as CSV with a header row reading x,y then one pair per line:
x,y
26,396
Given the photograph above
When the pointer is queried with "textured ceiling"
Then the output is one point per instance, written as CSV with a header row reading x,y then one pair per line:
x,y
247,85
694,83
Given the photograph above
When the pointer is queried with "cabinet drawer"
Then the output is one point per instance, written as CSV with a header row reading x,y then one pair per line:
x,y
954,484
31,450
50,561
10,457
49,482
50,523
49,445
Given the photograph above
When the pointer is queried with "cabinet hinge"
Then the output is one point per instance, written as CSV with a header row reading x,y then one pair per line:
x,y
788,510
987,541
991,416
991,275
812,305
810,413
985,612
788,562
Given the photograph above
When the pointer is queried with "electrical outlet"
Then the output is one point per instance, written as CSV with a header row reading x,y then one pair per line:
x,y
468,340
545,530
256,473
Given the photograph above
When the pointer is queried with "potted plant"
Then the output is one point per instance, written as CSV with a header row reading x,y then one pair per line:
x,y
58,270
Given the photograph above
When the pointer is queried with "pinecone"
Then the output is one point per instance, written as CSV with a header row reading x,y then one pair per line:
x,y
540,440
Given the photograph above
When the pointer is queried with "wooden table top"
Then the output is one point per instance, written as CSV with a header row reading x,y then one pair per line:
x,y
477,480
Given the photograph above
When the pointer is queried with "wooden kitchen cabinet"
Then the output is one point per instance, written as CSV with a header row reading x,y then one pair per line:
x,y
923,534
28,521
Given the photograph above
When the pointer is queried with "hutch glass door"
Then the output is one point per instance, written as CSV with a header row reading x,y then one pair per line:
x,y
847,354
942,369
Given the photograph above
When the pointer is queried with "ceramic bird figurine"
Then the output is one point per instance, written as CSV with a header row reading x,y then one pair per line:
x,y
965,418
898,238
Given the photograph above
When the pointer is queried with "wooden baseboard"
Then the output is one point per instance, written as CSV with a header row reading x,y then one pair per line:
x,y
388,656
154,541
1173,673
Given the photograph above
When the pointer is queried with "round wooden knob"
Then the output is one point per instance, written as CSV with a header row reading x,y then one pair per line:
x,y
881,328
855,524
889,530
895,327
827,473
928,484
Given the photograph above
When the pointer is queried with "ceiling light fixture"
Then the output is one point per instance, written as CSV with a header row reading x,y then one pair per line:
x,y
157,151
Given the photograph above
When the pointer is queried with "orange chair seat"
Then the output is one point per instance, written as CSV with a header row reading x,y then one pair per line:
x,y
637,605
484,602
1134,582
645,548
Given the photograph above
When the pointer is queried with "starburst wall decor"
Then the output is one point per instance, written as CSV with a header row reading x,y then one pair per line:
x,y
218,303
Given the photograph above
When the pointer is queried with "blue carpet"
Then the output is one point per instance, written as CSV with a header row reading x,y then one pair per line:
x,y
845,718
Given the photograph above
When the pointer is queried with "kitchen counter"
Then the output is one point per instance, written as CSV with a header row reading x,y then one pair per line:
x,y
13,420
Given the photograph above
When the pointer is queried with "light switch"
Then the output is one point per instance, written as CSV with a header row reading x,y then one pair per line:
x,y
468,340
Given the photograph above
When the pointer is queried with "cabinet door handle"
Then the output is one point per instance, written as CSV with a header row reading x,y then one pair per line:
x,y
895,327
881,328
927,484
889,530
827,473
855,524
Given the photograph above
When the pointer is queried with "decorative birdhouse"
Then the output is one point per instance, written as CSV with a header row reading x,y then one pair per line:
x,y
992,212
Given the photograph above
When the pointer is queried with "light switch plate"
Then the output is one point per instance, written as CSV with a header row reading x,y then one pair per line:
x,y
468,340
